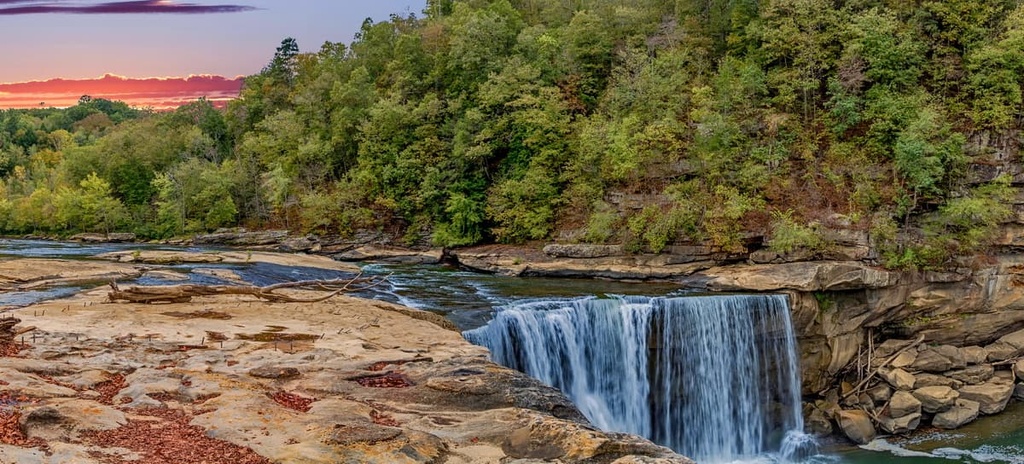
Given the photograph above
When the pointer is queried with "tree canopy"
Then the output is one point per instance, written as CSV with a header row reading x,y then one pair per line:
x,y
644,123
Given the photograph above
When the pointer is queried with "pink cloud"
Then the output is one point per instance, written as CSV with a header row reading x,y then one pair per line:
x,y
22,7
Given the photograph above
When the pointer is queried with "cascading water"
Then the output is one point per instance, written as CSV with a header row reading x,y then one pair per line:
x,y
715,377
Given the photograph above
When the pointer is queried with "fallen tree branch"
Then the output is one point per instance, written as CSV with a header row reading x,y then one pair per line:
x,y
1008,361
880,367
185,292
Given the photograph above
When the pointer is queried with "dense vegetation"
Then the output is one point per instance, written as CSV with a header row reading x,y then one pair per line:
x,y
642,122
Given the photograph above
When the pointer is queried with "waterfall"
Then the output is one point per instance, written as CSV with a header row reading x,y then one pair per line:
x,y
713,377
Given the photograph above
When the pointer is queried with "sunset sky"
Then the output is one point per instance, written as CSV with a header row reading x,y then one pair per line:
x,y
57,50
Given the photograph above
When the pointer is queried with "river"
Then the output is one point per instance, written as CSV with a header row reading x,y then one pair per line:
x,y
470,299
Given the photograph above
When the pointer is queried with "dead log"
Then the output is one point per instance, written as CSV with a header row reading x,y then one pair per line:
x,y
185,292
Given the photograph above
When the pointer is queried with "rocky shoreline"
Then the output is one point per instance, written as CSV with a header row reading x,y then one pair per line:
x,y
913,385
232,379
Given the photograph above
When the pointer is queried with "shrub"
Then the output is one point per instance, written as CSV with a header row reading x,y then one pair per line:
x,y
788,235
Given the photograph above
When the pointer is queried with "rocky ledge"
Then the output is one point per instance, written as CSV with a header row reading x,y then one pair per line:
x,y
602,261
233,379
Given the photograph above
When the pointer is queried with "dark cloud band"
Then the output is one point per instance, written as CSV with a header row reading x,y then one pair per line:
x,y
121,7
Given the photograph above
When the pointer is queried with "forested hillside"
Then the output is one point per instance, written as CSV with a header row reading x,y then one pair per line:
x,y
641,122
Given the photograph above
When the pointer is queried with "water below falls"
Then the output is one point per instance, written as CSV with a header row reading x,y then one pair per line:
x,y
715,378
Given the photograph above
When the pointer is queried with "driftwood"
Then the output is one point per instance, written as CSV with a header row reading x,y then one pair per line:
x,y
185,292
882,366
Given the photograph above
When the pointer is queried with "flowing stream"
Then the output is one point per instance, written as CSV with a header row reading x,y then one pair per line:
x,y
709,376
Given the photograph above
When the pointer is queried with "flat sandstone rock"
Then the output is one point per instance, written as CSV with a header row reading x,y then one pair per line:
x,y
343,380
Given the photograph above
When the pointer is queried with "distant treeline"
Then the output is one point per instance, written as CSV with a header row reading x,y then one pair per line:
x,y
641,122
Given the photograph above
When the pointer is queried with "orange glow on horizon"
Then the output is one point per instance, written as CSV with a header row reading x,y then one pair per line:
x,y
153,92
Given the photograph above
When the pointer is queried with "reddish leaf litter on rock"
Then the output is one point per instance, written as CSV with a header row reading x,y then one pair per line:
x,y
383,418
109,388
11,350
10,429
170,440
292,401
176,397
10,422
389,380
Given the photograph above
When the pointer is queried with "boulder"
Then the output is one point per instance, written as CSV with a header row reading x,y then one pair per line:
x,y
1018,369
1008,346
974,354
900,425
973,375
880,393
903,404
962,412
953,354
930,360
856,425
932,380
991,396
1000,351
818,423
1018,392
936,399
905,359
898,378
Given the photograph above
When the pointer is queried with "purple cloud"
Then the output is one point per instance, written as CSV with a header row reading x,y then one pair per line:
x,y
120,7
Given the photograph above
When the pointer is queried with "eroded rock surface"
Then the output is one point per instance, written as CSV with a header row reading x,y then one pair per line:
x,y
345,380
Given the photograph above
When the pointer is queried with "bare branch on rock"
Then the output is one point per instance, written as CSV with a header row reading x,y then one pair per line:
x,y
185,292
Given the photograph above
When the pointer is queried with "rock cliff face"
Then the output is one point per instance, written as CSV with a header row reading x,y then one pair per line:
x,y
840,308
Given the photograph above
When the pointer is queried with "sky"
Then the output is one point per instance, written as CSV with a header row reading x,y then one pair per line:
x,y
194,47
